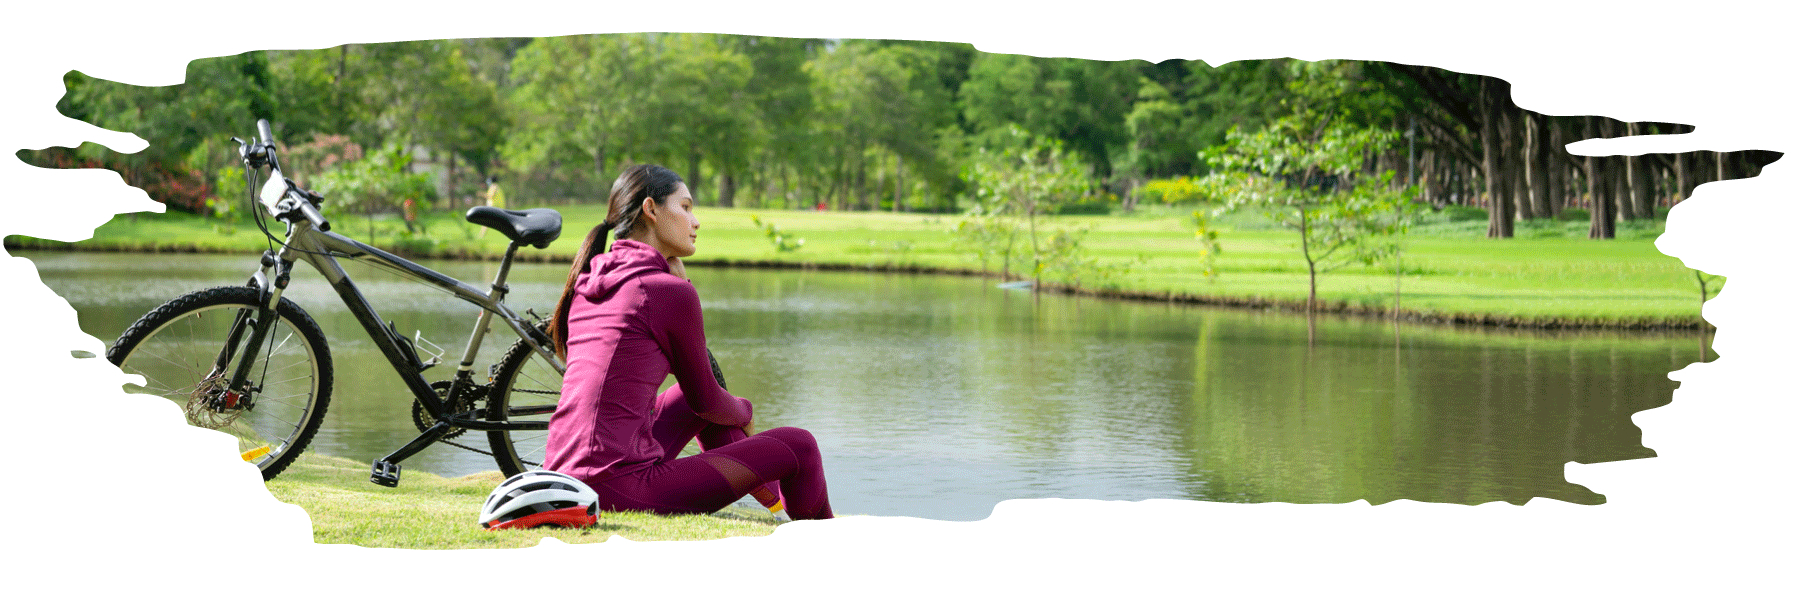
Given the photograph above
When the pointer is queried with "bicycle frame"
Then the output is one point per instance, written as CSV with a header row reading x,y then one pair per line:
x,y
309,240
321,250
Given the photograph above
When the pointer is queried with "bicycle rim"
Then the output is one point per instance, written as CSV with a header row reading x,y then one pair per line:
x,y
176,358
526,382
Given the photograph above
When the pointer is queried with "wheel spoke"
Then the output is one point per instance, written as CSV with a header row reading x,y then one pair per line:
x,y
175,347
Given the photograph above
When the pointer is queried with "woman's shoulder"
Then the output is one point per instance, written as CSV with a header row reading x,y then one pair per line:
x,y
667,284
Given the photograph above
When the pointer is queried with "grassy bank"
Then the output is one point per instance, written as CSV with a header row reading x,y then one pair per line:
x,y
1548,276
428,511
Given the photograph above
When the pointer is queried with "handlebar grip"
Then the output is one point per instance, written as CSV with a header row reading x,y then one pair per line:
x,y
312,214
268,133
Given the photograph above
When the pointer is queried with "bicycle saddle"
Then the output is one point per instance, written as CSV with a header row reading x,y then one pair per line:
x,y
536,227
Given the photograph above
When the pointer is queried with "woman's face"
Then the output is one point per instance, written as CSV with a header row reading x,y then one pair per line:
x,y
673,225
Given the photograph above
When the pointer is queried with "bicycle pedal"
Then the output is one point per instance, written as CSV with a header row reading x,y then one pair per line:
x,y
385,473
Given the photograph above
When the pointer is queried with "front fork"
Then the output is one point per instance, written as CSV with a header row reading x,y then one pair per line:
x,y
237,392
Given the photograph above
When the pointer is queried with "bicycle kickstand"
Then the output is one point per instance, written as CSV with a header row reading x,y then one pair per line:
x,y
386,471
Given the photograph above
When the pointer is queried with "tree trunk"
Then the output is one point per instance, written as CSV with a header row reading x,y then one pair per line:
x,y
1516,159
694,178
450,173
1428,180
1499,215
1600,220
1618,169
727,190
1538,165
1684,185
1643,182
899,180
862,183
1556,169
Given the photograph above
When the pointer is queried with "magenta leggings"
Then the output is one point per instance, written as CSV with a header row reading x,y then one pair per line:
x,y
730,465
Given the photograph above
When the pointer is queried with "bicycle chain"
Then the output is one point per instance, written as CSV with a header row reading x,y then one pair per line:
x,y
487,452
422,418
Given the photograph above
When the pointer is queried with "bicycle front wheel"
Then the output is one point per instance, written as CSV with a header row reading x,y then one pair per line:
x,y
177,349
526,388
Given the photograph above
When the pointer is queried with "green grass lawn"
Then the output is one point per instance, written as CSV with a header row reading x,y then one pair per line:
x,y
1550,274
428,511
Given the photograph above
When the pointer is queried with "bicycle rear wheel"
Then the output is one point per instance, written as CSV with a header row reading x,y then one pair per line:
x,y
177,346
526,388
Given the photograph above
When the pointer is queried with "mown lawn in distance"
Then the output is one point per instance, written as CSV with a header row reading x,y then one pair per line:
x,y
1550,274
431,512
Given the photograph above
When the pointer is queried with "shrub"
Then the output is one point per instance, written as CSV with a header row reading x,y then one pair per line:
x,y
1090,207
1455,213
1575,214
1180,190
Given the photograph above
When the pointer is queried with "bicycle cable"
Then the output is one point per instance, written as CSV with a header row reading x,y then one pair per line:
x,y
262,222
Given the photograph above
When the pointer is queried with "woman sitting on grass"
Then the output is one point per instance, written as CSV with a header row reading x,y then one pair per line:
x,y
627,319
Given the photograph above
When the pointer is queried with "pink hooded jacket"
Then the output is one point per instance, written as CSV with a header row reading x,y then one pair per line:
x,y
631,324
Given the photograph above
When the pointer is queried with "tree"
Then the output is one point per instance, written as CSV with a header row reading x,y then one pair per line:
x,y
378,182
1304,172
580,97
1017,181
1082,103
189,126
876,100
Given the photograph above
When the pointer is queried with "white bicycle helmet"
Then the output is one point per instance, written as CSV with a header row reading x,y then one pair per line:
x,y
537,498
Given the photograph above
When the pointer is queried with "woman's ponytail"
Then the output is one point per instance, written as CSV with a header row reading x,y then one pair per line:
x,y
559,321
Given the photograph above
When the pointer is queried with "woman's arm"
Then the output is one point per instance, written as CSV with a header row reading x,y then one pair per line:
x,y
678,319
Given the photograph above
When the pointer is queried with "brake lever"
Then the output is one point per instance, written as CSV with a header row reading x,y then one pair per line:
x,y
311,196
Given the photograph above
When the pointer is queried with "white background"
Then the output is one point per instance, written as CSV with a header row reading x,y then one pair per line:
x,y
105,493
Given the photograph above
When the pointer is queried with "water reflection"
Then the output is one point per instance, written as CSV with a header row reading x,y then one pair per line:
x,y
939,396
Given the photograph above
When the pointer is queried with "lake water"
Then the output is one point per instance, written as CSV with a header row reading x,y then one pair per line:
x,y
937,396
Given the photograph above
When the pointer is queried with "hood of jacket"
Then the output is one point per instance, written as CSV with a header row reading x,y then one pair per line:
x,y
627,260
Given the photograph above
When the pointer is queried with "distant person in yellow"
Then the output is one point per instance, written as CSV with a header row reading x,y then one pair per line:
x,y
495,198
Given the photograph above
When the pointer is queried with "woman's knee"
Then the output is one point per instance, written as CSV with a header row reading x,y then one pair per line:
x,y
799,440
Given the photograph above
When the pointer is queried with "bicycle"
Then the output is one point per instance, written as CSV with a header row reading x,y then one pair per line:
x,y
246,361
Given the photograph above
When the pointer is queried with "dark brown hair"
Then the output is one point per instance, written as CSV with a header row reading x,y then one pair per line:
x,y
623,206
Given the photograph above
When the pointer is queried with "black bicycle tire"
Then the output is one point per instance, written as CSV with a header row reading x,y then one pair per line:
x,y
147,326
506,454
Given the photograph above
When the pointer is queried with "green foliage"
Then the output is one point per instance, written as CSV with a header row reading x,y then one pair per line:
x,y
988,235
592,102
1710,284
426,93
378,182
231,194
1019,178
1210,248
1457,213
783,241
1304,172
1081,103
1063,255
1569,214
190,123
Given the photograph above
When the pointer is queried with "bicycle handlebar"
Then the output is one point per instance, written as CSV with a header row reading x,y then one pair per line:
x,y
312,213
302,203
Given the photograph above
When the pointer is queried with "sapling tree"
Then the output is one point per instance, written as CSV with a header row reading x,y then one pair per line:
x,y
1709,286
1304,172
1015,181
378,182
783,240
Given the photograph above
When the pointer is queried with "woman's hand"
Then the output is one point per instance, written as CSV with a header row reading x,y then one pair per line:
x,y
676,268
